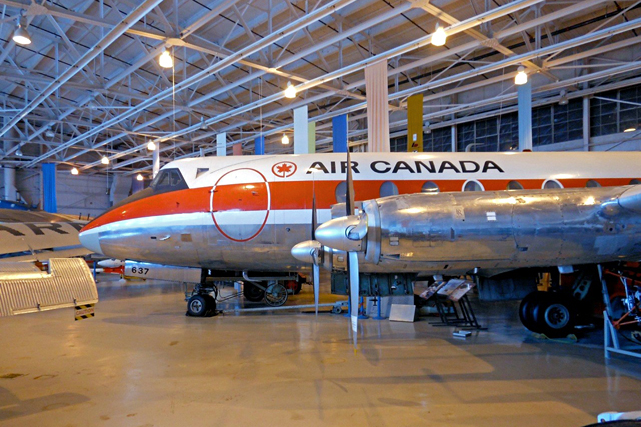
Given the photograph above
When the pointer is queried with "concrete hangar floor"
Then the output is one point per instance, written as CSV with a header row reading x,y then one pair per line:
x,y
142,362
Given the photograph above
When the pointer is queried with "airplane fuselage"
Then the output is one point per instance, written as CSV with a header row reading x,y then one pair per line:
x,y
246,213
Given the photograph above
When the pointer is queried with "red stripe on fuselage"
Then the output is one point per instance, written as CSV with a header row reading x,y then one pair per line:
x,y
298,195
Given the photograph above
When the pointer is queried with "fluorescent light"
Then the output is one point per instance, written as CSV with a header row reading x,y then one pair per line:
x,y
630,129
21,36
165,60
285,140
290,91
74,171
151,146
521,77
104,160
139,177
439,37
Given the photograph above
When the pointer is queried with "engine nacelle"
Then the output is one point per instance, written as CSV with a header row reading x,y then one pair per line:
x,y
500,231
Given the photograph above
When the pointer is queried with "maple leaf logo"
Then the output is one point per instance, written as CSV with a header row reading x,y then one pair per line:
x,y
284,169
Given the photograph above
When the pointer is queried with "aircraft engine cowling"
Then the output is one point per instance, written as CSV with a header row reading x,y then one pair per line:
x,y
492,231
313,252
346,233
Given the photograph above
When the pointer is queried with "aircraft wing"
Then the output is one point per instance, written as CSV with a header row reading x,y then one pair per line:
x,y
26,289
35,235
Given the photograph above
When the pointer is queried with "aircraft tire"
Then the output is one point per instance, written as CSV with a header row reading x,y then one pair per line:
x,y
197,306
211,305
555,315
253,293
526,310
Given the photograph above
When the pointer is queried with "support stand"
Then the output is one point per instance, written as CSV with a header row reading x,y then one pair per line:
x,y
455,291
611,340
377,303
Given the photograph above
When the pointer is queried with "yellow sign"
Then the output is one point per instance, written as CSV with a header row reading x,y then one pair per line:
x,y
85,311
415,123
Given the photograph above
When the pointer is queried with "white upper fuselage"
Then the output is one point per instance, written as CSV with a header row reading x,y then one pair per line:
x,y
247,212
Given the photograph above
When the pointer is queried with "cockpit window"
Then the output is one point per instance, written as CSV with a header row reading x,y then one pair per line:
x,y
168,180
201,171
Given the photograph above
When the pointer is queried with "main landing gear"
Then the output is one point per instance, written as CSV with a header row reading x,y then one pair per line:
x,y
551,313
272,293
270,289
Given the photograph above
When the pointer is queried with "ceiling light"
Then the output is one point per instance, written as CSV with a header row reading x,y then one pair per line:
x,y
564,98
139,177
439,36
285,140
74,171
104,160
203,125
630,129
21,36
290,91
151,146
49,133
521,77
165,60
19,153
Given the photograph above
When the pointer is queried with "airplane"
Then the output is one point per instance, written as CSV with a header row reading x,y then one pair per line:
x,y
420,213
32,235
29,236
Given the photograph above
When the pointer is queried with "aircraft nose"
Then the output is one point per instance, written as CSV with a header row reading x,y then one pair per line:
x,y
90,239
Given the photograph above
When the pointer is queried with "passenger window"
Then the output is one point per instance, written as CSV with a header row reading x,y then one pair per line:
x,y
430,187
473,186
551,184
388,188
592,184
514,185
634,181
341,192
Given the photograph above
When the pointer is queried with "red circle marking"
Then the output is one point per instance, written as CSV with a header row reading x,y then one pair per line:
x,y
213,216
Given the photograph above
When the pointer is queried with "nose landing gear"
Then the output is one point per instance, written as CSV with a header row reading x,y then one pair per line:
x,y
202,305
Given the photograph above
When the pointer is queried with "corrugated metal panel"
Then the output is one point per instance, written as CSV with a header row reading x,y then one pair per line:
x,y
68,283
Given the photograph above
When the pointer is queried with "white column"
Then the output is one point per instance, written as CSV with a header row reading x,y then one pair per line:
x,y
156,161
10,184
377,107
525,116
221,144
301,131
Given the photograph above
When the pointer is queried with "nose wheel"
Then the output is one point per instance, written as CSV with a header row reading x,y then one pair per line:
x,y
201,306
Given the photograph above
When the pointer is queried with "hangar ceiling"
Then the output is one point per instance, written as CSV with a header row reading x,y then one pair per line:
x,y
90,83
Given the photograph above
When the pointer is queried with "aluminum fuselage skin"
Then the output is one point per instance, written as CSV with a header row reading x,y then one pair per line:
x,y
247,213
499,231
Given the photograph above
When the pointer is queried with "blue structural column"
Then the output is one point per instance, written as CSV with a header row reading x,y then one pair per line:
x,y
259,145
49,187
339,133
525,116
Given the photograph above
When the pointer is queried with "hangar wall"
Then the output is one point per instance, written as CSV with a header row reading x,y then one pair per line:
x,y
77,195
